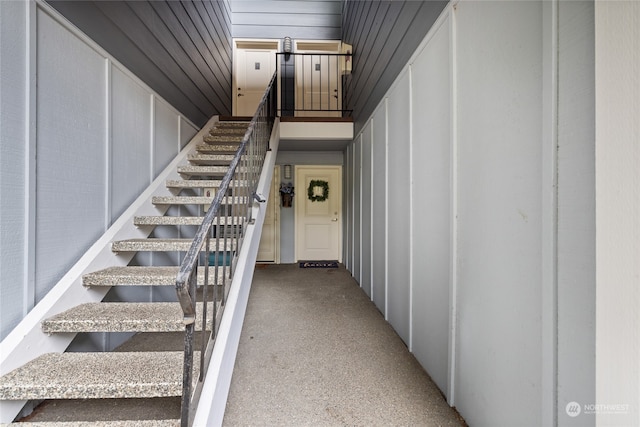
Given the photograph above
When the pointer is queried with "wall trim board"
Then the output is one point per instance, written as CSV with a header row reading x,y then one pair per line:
x,y
549,188
453,256
411,205
30,159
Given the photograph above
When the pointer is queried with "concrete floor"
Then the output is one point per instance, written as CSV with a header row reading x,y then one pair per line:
x,y
315,351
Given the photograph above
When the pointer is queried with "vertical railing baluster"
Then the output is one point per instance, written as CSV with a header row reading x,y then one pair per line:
x,y
229,208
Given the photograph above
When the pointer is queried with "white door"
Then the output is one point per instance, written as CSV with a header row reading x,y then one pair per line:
x,y
269,239
254,66
318,210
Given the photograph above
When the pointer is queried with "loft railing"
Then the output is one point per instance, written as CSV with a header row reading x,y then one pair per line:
x,y
218,241
314,84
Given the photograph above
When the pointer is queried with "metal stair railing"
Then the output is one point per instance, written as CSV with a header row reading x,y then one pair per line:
x,y
219,239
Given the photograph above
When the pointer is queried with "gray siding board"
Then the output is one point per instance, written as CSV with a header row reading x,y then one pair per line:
x,y
164,26
132,26
296,19
285,19
395,38
295,32
186,33
221,55
201,36
187,63
308,7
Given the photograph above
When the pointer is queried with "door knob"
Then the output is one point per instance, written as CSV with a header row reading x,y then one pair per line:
x,y
240,94
334,219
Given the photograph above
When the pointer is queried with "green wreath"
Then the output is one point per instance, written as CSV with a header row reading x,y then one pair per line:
x,y
325,190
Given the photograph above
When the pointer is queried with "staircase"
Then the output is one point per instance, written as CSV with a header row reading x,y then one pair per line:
x,y
154,373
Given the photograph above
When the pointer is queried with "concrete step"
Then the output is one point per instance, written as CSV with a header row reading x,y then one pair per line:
x,y
180,220
217,148
190,170
122,317
228,130
195,200
234,123
109,375
193,183
141,276
210,159
218,138
155,245
119,423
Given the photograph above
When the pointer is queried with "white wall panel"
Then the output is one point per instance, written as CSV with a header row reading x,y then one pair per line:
x,y
379,207
130,140
499,212
399,191
71,145
166,138
431,208
187,131
13,150
365,277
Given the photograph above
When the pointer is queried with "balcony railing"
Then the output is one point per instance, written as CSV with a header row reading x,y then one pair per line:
x,y
217,243
313,84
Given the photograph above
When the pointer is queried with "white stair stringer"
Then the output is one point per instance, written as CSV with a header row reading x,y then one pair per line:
x,y
27,341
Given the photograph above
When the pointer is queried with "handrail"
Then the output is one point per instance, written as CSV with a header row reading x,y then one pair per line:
x,y
226,227
314,83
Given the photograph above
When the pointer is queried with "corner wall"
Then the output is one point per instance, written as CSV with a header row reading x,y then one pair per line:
x,y
81,139
475,254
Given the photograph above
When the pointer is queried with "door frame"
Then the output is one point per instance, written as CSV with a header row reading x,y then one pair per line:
x,y
274,197
302,192
267,45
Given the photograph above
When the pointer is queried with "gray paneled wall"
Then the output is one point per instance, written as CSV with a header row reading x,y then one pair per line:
x,y
384,35
81,139
181,49
275,19
477,259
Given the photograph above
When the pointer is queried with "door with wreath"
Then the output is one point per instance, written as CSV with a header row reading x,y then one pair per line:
x,y
318,213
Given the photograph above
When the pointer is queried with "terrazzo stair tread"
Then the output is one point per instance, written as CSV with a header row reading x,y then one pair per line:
x,y
97,375
119,423
154,245
141,276
217,148
193,183
216,138
191,170
176,220
234,123
167,220
122,317
210,159
195,200
229,130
